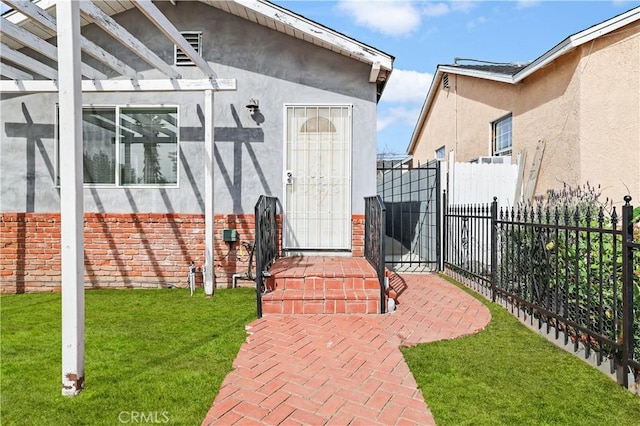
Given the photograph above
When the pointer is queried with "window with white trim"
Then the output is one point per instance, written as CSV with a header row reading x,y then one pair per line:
x,y
502,136
129,146
440,153
194,38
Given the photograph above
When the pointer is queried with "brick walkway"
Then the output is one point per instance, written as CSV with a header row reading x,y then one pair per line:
x,y
343,369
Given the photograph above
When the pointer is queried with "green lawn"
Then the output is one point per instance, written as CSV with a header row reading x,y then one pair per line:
x,y
154,353
509,375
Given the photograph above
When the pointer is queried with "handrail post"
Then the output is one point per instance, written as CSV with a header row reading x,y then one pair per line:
x,y
266,243
494,247
439,207
381,266
375,224
627,288
445,225
257,249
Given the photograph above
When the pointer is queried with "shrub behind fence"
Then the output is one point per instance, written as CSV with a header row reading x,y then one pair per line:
x,y
574,270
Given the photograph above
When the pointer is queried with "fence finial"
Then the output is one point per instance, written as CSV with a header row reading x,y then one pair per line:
x,y
627,199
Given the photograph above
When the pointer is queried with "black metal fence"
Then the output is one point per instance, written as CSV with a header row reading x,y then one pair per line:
x,y
572,269
411,195
266,243
467,240
374,240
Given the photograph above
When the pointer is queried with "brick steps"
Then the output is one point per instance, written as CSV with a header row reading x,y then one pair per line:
x,y
321,302
322,285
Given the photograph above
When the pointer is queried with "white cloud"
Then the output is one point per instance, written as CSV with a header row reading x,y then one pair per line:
x,y
406,91
476,22
387,17
436,9
384,121
463,6
398,115
407,86
524,4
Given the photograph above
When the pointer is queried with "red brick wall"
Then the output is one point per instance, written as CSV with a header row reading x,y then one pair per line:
x,y
144,250
231,258
29,252
357,235
121,250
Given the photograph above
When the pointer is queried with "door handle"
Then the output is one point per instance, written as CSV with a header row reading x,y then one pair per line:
x,y
289,178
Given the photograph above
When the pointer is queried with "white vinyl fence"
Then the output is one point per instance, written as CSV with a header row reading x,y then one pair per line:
x,y
473,183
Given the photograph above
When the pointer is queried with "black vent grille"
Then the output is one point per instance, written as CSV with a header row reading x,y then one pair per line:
x,y
194,38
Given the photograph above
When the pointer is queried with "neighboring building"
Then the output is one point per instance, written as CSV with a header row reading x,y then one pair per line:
x,y
582,98
294,117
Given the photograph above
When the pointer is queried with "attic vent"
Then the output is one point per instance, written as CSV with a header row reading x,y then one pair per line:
x,y
445,81
194,38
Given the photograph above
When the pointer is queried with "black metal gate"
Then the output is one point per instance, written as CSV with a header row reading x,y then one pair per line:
x,y
412,199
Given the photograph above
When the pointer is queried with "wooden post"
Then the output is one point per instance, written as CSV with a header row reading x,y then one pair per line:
x,y
532,179
71,197
209,159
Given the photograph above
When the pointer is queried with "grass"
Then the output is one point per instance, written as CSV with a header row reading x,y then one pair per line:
x,y
509,375
158,353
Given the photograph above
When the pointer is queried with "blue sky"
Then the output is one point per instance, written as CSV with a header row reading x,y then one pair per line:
x,y
422,34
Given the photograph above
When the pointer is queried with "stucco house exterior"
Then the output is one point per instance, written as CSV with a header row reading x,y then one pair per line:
x,y
293,116
581,98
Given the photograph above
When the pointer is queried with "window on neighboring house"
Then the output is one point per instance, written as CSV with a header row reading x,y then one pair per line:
x,y
127,146
502,136
440,154
194,38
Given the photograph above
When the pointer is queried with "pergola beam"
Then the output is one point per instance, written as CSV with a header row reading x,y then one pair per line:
x,y
114,29
27,62
14,73
164,85
30,10
45,48
163,24
47,21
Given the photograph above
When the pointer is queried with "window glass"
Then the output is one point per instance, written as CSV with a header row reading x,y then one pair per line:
x,y
502,136
440,153
99,145
128,146
148,146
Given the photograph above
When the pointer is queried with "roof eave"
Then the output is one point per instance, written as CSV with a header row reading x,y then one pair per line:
x,y
381,63
272,11
578,39
318,31
486,75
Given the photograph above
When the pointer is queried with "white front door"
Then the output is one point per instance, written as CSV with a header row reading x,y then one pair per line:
x,y
317,178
